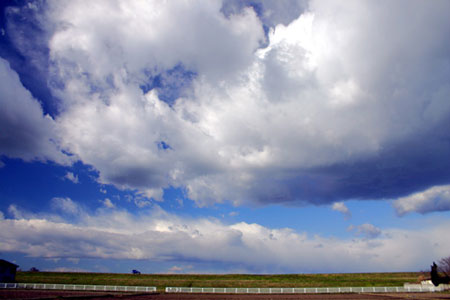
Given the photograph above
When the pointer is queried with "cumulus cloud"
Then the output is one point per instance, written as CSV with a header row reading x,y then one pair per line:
x,y
73,260
175,269
71,177
158,235
436,198
339,101
14,212
271,13
108,203
25,132
66,205
66,269
342,208
366,230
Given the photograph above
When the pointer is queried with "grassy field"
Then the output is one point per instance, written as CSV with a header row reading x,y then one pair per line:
x,y
232,280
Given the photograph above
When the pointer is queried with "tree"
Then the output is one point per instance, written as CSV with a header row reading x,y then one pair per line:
x,y
444,265
437,278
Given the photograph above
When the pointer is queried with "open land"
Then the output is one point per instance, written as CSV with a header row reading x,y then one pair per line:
x,y
230,280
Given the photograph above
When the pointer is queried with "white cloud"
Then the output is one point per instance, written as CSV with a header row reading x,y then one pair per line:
x,y
151,35
15,212
342,208
158,235
340,85
175,269
233,214
436,198
366,230
66,269
108,203
25,132
73,260
271,12
66,205
72,177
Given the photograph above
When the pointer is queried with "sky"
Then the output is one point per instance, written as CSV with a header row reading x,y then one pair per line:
x,y
225,136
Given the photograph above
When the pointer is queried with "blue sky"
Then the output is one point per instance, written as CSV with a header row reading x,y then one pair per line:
x,y
224,136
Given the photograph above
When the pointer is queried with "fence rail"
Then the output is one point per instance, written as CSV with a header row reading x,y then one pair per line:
x,y
323,290
78,287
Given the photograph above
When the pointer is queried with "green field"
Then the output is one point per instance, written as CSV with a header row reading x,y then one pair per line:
x,y
232,280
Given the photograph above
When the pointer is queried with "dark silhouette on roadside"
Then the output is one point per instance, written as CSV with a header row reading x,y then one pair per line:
x,y
436,278
136,272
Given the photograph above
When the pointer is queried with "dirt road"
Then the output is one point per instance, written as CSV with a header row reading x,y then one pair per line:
x,y
42,294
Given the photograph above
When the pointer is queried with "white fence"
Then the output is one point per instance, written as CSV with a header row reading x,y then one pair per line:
x,y
118,288
78,287
323,290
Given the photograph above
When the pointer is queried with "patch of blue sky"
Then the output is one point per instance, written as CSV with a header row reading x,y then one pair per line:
x,y
162,145
320,220
145,266
24,45
171,84
312,219
32,185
